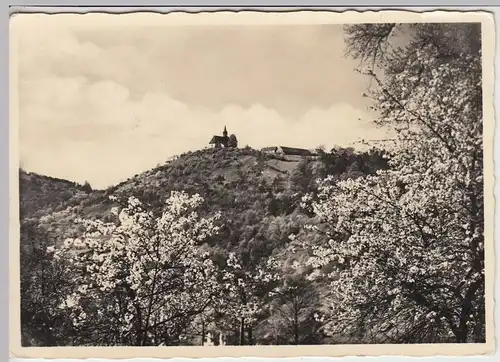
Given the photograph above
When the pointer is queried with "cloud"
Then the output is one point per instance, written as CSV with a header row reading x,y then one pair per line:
x,y
286,67
81,130
102,103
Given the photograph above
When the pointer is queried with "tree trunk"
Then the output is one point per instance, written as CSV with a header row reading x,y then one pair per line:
x,y
296,333
139,330
202,332
461,336
463,329
467,308
296,326
479,330
242,332
250,335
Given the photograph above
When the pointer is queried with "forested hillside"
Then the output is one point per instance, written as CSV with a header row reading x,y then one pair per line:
x,y
238,247
258,196
39,193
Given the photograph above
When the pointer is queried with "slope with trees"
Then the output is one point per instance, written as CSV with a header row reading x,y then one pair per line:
x,y
258,207
408,242
382,246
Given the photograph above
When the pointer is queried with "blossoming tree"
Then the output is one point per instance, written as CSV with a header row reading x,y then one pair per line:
x,y
408,243
245,291
140,280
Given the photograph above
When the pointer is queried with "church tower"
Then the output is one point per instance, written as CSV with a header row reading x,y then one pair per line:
x,y
219,141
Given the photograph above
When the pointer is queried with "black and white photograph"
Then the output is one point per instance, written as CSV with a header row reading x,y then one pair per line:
x,y
234,184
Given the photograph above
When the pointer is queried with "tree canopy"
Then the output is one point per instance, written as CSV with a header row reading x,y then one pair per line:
x,y
408,242
380,246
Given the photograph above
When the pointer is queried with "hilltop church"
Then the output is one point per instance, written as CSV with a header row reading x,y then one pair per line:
x,y
220,141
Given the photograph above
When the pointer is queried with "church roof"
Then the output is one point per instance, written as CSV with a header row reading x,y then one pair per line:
x,y
296,151
274,148
290,151
218,139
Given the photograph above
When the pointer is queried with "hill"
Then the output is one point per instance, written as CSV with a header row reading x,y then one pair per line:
x,y
251,189
257,194
39,193
247,186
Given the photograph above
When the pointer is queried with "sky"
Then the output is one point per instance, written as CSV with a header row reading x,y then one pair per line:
x,y
102,103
